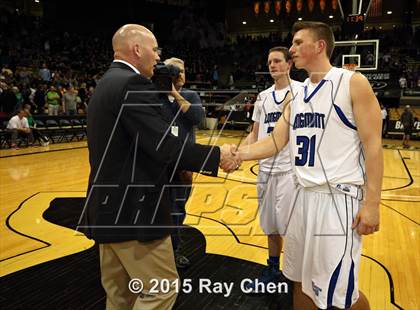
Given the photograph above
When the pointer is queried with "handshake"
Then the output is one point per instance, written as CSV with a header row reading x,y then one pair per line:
x,y
229,158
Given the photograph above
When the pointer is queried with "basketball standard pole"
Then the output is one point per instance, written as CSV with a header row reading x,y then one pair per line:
x,y
356,10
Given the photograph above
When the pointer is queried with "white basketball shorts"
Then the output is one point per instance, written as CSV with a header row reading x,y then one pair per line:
x,y
275,193
321,249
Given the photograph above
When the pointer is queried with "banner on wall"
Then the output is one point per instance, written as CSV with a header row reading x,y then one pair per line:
x,y
395,127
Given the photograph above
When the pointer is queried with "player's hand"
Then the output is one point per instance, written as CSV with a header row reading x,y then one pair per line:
x,y
367,219
229,158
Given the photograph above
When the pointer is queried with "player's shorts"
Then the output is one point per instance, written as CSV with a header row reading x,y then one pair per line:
x,y
408,129
321,250
275,193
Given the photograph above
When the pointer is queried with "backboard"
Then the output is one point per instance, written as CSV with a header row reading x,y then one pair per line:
x,y
361,55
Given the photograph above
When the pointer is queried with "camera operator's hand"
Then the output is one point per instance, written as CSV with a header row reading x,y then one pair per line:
x,y
183,103
173,92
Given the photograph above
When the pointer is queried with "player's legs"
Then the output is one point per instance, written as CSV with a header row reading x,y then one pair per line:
x,y
301,301
362,303
272,207
275,208
275,244
407,140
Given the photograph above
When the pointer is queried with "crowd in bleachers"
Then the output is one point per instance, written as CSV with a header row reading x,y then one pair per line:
x,y
35,56
399,53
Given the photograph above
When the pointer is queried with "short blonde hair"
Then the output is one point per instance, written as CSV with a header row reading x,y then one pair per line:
x,y
174,61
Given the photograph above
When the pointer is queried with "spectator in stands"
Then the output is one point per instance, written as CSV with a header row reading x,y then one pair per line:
x,y
37,135
82,92
387,59
369,58
70,101
31,94
53,101
231,82
19,98
7,72
407,119
403,82
384,113
18,127
45,73
185,109
215,77
39,99
8,99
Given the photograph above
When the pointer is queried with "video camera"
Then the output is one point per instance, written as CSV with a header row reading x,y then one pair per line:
x,y
163,76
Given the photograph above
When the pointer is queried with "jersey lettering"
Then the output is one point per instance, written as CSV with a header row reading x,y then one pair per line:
x,y
309,120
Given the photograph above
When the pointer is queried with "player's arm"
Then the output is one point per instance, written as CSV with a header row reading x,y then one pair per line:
x,y
252,136
270,145
368,119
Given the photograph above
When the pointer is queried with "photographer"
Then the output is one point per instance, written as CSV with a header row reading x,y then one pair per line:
x,y
184,109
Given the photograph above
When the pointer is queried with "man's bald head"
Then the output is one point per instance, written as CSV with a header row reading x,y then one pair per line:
x,y
127,35
138,46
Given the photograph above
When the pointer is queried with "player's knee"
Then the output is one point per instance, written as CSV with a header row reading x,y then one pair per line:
x,y
362,303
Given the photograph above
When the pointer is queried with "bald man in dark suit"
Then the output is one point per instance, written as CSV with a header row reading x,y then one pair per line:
x,y
132,153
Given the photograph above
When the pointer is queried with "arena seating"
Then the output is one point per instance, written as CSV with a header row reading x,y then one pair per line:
x,y
56,128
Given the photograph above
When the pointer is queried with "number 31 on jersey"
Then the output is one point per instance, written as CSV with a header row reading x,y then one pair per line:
x,y
306,151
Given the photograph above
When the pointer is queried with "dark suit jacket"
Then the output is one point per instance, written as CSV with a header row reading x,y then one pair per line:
x,y
132,154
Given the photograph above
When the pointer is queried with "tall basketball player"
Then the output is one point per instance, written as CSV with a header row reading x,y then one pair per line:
x,y
334,129
275,184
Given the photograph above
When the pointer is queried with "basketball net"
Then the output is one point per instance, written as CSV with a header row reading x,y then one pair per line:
x,y
351,67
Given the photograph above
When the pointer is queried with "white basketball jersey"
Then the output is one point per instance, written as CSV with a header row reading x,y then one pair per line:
x,y
267,110
323,136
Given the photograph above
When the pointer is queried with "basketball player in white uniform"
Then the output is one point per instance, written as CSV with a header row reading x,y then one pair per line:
x,y
275,184
334,129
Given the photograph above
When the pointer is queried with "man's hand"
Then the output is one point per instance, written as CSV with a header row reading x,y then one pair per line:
x,y
173,92
367,219
25,130
229,158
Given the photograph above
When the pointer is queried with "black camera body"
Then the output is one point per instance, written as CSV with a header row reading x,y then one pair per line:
x,y
163,76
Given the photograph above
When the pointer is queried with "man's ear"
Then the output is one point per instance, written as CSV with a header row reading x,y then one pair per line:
x,y
322,45
137,50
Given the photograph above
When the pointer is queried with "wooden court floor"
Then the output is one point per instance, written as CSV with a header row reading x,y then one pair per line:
x,y
224,209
